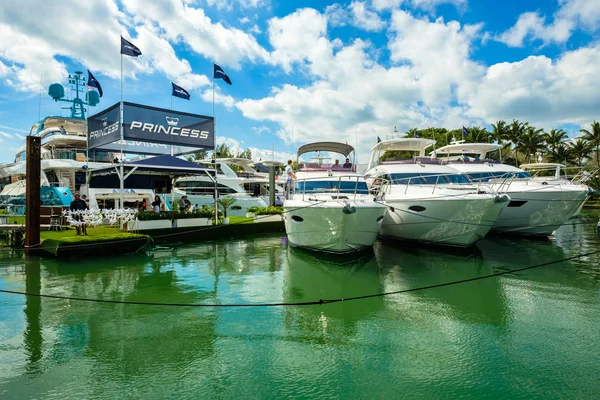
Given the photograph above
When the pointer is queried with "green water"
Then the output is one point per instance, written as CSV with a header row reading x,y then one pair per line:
x,y
532,334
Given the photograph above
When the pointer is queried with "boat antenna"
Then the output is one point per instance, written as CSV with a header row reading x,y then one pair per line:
x,y
78,84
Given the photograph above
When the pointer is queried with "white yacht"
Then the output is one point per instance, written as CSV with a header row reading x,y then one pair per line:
x,y
66,161
429,202
538,206
236,177
553,173
330,208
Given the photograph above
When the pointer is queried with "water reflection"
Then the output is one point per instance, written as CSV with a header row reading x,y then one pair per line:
x,y
33,308
481,301
309,277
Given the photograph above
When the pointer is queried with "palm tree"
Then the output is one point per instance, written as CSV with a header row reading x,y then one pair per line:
x,y
532,141
562,154
225,203
554,137
514,134
478,135
581,149
499,132
593,136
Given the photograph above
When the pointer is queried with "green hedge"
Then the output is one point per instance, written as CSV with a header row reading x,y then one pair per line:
x,y
271,210
203,212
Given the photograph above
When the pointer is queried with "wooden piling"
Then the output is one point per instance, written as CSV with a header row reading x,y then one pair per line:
x,y
32,196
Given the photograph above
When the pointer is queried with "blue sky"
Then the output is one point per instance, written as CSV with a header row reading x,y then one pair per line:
x,y
312,70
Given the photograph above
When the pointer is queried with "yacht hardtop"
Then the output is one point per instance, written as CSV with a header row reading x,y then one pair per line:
x,y
470,158
419,169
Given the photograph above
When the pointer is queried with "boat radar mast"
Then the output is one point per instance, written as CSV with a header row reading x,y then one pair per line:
x,y
78,84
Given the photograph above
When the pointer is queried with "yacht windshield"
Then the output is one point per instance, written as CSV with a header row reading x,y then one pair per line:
x,y
486,176
420,178
331,186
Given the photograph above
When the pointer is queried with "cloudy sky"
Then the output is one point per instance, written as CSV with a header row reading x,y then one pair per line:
x,y
311,70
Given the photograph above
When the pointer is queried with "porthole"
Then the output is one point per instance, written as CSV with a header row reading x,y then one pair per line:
x,y
296,218
416,208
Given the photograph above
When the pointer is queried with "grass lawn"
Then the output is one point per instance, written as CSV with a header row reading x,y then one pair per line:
x,y
240,220
97,234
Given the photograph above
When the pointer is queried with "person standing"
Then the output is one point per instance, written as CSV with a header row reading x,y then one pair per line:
x,y
289,183
79,205
156,204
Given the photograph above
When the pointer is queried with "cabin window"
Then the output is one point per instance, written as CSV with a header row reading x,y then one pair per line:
x,y
420,178
331,186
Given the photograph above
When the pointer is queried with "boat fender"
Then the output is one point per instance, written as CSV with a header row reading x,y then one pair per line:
x,y
501,198
348,209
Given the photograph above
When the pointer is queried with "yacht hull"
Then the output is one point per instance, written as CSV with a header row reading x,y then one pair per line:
x,y
327,228
448,221
540,211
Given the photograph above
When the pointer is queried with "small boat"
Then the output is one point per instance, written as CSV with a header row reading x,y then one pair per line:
x,y
330,208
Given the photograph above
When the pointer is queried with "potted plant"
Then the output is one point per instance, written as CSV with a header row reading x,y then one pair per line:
x,y
151,220
251,211
268,214
200,217
225,203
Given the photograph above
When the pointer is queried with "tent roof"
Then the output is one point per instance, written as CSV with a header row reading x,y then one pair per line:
x,y
336,147
164,165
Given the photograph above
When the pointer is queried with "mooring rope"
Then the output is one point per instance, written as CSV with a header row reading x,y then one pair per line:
x,y
305,303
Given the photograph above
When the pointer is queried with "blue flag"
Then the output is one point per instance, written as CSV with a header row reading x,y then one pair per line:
x,y
93,83
180,92
378,139
465,132
219,73
129,49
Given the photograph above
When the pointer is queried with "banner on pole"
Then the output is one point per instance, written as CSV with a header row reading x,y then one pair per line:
x,y
150,130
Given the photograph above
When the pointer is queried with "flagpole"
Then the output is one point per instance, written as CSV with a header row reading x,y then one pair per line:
x,y
215,150
122,180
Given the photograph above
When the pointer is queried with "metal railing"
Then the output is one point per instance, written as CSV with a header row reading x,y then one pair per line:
x,y
424,181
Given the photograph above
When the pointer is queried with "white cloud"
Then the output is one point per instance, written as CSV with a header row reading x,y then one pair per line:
x,y
219,97
532,25
570,15
432,4
4,70
365,19
32,38
20,136
229,4
355,14
385,4
428,5
540,90
7,135
297,36
162,58
244,20
439,54
585,12
183,23
261,129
